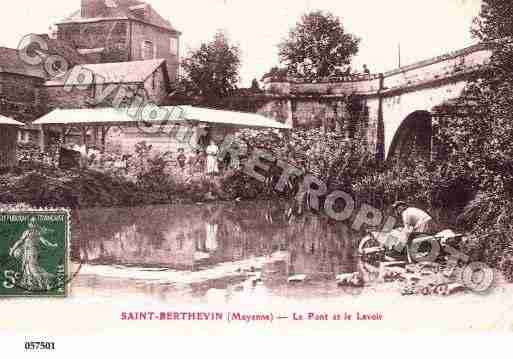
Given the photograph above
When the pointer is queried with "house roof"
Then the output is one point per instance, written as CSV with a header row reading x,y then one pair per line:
x,y
185,114
86,116
9,122
125,10
11,62
115,72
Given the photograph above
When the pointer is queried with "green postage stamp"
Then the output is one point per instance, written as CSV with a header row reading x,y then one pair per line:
x,y
34,253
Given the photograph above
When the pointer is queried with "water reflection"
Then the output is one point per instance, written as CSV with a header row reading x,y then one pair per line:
x,y
199,238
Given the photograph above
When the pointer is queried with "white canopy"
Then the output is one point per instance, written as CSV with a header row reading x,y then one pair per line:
x,y
9,122
120,116
228,118
86,116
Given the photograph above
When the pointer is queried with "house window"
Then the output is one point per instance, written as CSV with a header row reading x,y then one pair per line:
x,y
148,50
173,48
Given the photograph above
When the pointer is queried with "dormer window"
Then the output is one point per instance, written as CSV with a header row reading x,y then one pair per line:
x,y
148,50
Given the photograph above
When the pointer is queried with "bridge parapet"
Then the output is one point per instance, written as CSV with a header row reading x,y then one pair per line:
x,y
361,84
440,68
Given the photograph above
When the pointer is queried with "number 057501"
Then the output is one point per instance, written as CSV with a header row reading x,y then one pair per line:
x,y
39,346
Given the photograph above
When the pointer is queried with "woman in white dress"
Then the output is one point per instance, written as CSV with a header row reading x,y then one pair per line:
x,y
212,162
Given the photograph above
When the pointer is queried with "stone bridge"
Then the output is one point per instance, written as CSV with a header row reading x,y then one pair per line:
x,y
389,111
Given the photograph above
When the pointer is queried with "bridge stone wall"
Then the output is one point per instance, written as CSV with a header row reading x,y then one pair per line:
x,y
398,107
387,99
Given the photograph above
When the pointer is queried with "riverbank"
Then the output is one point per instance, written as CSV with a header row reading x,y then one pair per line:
x,y
40,185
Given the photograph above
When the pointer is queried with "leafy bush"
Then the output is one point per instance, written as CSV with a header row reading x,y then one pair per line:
x,y
237,184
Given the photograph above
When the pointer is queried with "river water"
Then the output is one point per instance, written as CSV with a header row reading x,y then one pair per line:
x,y
210,249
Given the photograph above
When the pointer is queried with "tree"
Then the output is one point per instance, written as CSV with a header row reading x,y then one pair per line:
x,y
479,138
212,70
491,96
495,23
317,46
484,142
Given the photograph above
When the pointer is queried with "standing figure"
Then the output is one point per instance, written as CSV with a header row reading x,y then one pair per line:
x,y
212,162
181,159
26,249
201,162
192,161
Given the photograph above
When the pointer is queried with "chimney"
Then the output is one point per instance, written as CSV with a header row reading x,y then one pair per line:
x,y
141,11
93,8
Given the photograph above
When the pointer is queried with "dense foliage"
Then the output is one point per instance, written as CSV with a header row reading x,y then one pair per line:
x,y
212,70
494,21
327,155
318,46
480,133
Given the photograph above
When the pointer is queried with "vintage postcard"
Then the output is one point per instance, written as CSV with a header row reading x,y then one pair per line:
x,y
223,167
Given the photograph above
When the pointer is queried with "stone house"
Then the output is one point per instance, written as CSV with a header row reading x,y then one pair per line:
x,y
106,31
8,129
18,91
121,42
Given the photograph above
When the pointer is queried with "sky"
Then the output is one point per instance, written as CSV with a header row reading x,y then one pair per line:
x,y
423,28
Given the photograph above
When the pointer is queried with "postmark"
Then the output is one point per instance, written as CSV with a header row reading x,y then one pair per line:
x,y
34,253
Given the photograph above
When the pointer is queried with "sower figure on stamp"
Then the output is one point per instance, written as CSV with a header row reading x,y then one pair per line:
x,y
415,221
26,249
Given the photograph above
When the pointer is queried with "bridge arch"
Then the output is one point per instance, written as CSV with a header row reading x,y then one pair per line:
x,y
413,138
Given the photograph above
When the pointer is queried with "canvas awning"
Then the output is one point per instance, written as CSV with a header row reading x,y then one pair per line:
x,y
86,117
6,121
228,118
113,116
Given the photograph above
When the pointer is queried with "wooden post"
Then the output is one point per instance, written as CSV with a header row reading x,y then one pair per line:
x,y
84,137
323,112
63,135
336,117
104,131
103,135
435,125
95,135
290,113
42,138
